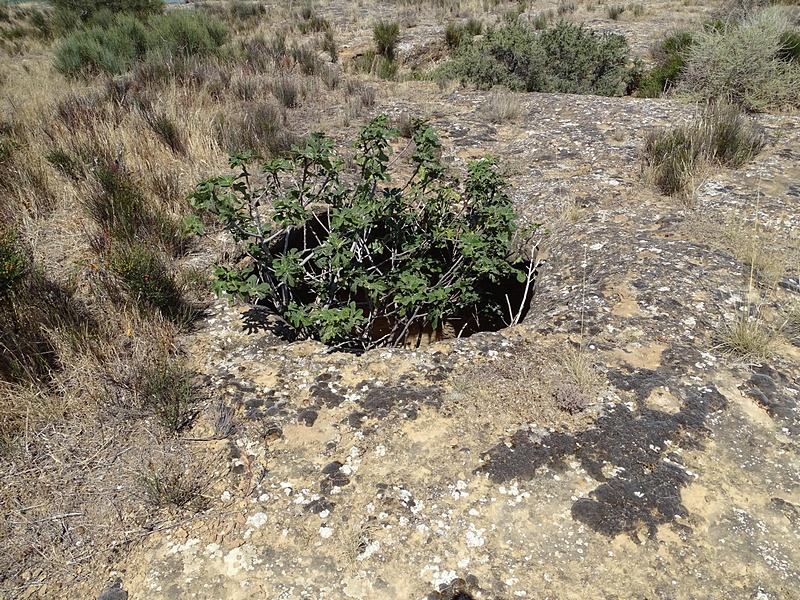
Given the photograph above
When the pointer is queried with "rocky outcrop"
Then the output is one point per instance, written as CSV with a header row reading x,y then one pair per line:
x,y
454,471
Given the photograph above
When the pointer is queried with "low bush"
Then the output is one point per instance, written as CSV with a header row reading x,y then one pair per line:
x,y
258,126
328,44
670,55
167,130
615,11
246,14
455,34
64,162
386,35
721,136
310,22
745,63
124,216
565,58
71,14
38,320
789,49
13,260
160,40
165,389
354,260
747,337
145,277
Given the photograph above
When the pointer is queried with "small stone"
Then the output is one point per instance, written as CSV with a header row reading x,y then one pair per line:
x,y
114,592
235,543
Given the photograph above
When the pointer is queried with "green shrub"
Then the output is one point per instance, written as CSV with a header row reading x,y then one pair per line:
x,y
386,35
455,34
510,56
671,59
13,261
70,14
184,34
789,49
88,52
720,136
579,61
363,262
143,274
163,40
741,63
166,389
565,58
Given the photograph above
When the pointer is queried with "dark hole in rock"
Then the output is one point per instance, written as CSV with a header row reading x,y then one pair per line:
x,y
510,298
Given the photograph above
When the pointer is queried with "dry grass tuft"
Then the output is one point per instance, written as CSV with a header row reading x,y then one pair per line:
x,y
747,337
579,369
503,106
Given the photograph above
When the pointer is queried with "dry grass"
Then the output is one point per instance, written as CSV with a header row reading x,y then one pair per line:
x,y
579,369
792,316
503,106
81,416
747,337
502,388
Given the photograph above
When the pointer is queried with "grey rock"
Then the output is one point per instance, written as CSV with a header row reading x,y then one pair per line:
x,y
114,592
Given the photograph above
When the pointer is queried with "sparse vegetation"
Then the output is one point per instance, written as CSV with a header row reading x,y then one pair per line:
x,y
564,58
745,63
367,265
166,390
747,337
503,105
721,135
386,35
671,60
13,262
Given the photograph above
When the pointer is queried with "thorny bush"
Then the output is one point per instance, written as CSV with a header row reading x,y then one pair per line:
x,y
354,260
